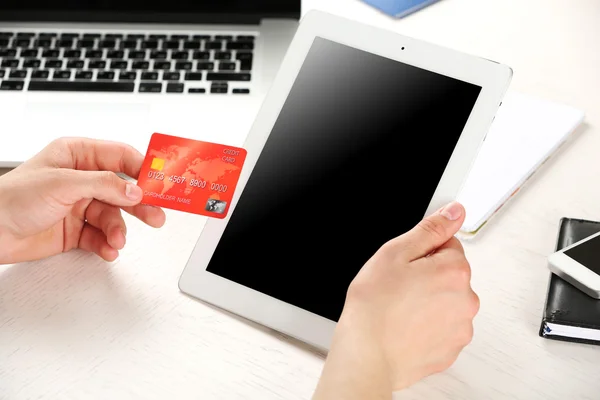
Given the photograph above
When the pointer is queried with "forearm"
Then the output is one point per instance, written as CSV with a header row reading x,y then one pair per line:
x,y
353,369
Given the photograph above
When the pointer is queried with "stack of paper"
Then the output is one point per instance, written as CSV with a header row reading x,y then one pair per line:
x,y
525,133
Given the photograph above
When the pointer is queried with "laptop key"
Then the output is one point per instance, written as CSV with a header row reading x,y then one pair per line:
x,y
171,76
205,66
113,36
240,91
2,73
84,75
223,37
214,45
107,44
171,44
180,55
61,74
240,45
97,64
175,88
227,66
162,64
71,54
32,63
22,43
194,76
69,35
18,74
129,44
149,44
105,75
10,63
157,37
8,52
43,43
213,76
5,34
135,36
158,55
119,64
30,53
50,53
223,55
86,44
183,66
149,76
4,42
128,76
245,37
196,90
201,55
192,45
137,55
12,85
218,89
94,54
140,65
81,86
115,54
150,87
53,64
75,64
91,35
67,43
180,37
40,74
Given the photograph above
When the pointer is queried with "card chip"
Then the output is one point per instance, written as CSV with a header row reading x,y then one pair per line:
x,y
157,164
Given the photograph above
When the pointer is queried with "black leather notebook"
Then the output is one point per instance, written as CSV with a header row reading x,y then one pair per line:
x,y
569,314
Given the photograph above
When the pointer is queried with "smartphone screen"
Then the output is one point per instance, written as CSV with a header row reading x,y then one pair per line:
x,y
587,254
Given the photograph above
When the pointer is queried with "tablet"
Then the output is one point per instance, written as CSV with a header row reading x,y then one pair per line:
x,y
363,133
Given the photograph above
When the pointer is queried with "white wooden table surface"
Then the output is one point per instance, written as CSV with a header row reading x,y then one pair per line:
x,y
73,327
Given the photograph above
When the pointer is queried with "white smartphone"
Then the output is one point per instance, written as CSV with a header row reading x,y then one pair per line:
x,y
579,264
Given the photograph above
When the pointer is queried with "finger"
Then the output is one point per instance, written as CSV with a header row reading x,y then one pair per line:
x,y
101,185
453,245
150,215
94,155
432,232
109,220
93,240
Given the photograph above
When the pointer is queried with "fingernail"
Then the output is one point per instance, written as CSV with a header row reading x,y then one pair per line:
x,y
452,211
133,192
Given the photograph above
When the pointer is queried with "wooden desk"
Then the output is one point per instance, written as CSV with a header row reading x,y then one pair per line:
x,y
73,327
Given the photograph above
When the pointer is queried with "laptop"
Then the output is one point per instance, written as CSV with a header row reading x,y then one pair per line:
x,y
124,69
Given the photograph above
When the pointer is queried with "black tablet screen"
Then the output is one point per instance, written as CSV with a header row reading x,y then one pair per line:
x,y
352,161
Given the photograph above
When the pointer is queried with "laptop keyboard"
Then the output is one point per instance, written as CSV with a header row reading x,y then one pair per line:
x,y
134,63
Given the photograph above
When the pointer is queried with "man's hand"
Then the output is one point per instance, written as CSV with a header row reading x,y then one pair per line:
x,y
408,313
69,196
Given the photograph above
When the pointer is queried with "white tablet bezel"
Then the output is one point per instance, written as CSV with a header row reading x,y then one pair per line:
x,y
492,77
574,272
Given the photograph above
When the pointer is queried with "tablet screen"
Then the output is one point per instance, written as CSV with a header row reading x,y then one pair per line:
x,y
352,161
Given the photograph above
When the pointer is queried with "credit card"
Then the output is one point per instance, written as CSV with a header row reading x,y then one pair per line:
x,y
190,175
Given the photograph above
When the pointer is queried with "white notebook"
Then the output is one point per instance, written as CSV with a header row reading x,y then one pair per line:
x,y
525,133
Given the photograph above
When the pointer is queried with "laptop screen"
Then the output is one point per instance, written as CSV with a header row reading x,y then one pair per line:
x,y
182,11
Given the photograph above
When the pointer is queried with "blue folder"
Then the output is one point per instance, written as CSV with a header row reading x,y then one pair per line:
x,y
399,8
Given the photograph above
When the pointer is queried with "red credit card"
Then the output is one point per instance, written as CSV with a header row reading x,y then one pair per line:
x,y
190,175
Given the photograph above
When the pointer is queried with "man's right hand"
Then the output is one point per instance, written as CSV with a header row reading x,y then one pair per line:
x,y
408,313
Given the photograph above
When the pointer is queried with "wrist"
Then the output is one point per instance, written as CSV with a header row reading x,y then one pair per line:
x,y
356,367
4,229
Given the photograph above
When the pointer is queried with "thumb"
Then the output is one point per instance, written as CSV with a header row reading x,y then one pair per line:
x,y
105,186
432,232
